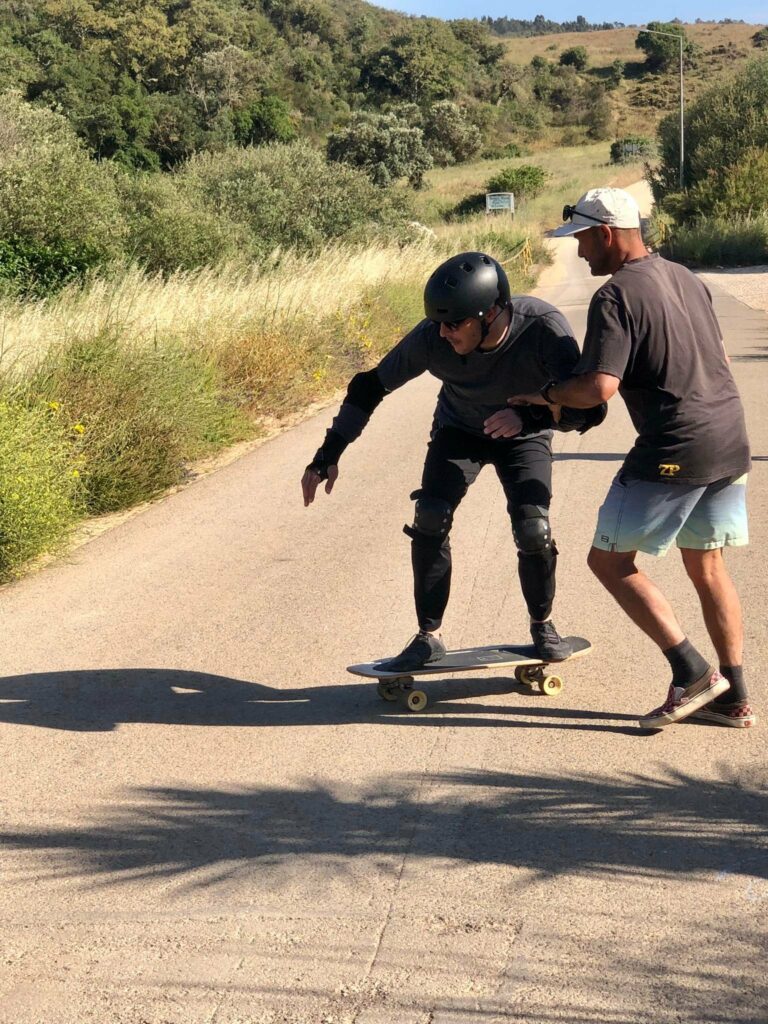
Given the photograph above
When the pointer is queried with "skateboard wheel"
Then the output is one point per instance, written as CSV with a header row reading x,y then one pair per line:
x,y
416,700
526,676
551,685
388,690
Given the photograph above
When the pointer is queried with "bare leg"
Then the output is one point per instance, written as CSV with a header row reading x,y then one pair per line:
x,y
719,602
640,598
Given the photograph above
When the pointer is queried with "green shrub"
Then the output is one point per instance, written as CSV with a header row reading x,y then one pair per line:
x,y
720,241
720,126
576,57
168,228
450,135
266,120
386,147
615,74
468,206
631,148
508,149
663,51
39,486
740,190
744,189
135,414
290,196
526,181
59,211
34,269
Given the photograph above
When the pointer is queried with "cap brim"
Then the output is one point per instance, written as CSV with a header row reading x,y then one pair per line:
x,y
569,229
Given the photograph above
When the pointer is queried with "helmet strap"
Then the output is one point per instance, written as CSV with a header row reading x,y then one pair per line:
x,y
485,327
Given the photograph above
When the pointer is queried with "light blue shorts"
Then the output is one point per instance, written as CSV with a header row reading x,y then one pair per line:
x,y
644,515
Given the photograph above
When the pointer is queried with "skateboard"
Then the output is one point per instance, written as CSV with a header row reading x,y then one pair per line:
x,y
529,669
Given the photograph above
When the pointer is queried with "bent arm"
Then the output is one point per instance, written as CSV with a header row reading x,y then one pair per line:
x,y
585,391
364,393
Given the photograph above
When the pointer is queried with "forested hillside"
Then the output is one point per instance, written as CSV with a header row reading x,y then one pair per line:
x,y
149,82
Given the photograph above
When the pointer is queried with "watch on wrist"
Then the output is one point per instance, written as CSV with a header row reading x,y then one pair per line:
x,y
544,392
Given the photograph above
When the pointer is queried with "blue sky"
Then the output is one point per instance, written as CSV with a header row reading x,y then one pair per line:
x,y
753,11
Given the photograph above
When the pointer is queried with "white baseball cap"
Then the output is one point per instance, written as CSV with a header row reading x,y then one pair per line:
x,y
611,206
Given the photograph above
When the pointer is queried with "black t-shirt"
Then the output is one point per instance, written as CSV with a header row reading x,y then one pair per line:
x,y
539,346
652,325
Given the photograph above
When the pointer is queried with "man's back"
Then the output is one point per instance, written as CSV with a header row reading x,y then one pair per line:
x,y
656,330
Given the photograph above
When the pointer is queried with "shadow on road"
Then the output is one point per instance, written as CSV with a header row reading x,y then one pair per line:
x,y
99,701
671,824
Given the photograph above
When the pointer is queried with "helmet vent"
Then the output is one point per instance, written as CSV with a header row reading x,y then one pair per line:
x,y
467,268
451,282
486,261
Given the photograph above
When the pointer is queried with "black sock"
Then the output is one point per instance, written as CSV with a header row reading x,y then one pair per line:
x,y
686,663
738,691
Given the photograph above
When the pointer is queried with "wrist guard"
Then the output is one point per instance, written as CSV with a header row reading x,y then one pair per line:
x,y
328,454
535,418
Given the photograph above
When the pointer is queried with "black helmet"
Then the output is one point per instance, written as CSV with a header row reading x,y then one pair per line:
x,y
469,284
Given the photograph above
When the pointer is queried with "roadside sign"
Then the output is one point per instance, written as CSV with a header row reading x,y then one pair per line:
x,y
500,202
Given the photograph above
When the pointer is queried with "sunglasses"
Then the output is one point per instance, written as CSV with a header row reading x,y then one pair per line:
x,y
568,212
452,325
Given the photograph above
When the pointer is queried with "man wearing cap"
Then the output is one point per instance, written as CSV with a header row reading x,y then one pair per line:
x,y
652,336
482,343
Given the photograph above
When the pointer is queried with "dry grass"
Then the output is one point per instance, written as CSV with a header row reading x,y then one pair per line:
x,y
606,46
572,171
206,305
643,99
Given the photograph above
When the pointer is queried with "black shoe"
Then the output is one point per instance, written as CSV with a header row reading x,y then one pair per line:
x,y
422,650
549,645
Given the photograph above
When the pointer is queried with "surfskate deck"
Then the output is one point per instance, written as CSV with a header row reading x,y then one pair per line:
x,y
529,669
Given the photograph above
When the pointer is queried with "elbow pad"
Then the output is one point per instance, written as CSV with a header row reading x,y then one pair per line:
x,y
365,391
581,419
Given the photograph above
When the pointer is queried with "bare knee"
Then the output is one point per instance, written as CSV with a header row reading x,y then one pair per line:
x,y
703,567
610,565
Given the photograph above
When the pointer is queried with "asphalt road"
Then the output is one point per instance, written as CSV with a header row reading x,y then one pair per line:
x,y
206,820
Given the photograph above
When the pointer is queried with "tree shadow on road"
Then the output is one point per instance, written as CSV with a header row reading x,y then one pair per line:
x,y
100,700
671,824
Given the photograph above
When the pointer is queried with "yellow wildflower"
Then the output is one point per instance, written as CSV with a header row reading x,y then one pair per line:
x,y
79,428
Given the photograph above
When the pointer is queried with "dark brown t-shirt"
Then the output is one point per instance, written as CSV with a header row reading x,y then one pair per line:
x,y
652,325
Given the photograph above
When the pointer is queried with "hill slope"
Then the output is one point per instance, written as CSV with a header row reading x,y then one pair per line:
x,y
644,98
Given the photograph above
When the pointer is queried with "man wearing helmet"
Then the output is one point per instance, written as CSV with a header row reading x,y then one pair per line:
x,y
480,342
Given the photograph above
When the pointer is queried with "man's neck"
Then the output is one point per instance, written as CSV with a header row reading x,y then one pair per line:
x,y
634,252
497,334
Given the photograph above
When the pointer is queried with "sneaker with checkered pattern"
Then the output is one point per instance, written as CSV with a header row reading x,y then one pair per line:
x,y
684,700
737,715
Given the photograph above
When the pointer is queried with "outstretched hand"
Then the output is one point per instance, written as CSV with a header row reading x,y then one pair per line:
x,y
312,480
504,423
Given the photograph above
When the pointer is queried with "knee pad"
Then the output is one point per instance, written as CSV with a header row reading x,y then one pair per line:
x,y
530,527
433,518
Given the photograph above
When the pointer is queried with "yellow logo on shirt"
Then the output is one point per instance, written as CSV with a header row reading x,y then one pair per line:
x,y
668,469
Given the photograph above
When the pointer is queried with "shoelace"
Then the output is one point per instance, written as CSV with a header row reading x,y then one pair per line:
x,y
547,631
